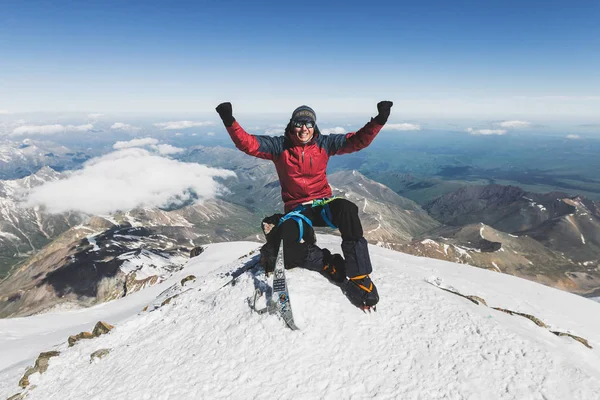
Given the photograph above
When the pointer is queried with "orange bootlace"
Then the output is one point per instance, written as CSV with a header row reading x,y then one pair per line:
x,y
359,277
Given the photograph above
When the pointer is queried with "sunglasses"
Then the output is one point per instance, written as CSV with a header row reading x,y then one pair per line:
x,y
298,124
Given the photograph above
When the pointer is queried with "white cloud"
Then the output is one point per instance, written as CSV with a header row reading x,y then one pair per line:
x,y
337,129
124,127
135,143
402,127
126,179
274,131
79,128
95,115
486,131
210,134
50,129
5,112
574,137
166,149
563,98
175,125
515,124
163,149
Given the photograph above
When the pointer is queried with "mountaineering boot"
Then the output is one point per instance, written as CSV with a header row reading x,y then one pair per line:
x,y
361,291
334,267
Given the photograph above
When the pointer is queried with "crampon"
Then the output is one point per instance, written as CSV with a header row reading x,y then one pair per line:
x,y
365,308
361,292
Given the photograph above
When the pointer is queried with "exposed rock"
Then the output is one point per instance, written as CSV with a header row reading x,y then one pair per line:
x,y
42,361
41,366
167,301
101,328
536,320
578,338
18,396
477,300
474,299
24,382
98,354
132,284
187,278
75,338
196,251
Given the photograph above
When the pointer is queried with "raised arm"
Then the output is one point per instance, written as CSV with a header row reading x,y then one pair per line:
x,y
355,141
265,147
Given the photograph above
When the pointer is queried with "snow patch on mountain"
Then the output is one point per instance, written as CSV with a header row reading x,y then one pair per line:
x,y
146,264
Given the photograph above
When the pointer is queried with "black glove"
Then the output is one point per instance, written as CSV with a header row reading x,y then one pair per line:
x,y
270,223
268,252
384,108
226,113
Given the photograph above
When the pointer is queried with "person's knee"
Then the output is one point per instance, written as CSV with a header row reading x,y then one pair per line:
x,y
345,206
289,230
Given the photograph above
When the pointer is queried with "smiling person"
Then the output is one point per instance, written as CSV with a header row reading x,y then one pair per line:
x,y
300,157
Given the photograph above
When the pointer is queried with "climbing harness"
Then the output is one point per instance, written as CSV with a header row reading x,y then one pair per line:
x,y
296,214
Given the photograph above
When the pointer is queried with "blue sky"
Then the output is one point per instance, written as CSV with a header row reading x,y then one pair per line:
x,y
496,59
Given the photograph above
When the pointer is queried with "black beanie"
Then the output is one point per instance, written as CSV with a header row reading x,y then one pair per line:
x,y
304,113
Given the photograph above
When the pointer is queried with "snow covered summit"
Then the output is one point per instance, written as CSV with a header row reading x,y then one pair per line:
x,y
423,342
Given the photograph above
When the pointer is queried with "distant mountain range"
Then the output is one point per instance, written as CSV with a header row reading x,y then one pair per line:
x,y
549,238
507,208
109,257
81,260
21,159
24,231
569,225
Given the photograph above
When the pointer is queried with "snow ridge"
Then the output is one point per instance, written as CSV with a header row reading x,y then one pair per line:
x,y
422,342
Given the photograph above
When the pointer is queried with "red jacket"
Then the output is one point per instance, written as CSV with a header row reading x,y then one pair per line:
x,y
302,168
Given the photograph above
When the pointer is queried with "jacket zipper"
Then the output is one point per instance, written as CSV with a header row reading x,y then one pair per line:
x,y
303,180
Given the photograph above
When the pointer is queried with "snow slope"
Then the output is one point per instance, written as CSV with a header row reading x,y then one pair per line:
x,y
422,343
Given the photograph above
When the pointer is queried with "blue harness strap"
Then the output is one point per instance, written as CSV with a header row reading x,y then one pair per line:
x,y
297,215
326,215
325,211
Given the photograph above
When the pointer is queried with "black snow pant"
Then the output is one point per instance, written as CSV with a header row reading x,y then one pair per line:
x,y
306,254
